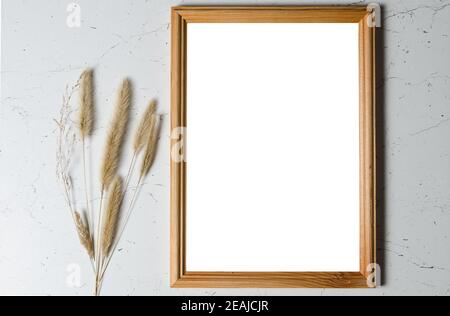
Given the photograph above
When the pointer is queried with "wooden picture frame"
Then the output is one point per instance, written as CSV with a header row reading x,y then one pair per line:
x,y
179,276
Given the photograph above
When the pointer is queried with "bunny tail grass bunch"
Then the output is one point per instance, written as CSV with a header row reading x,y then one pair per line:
x,y
100,230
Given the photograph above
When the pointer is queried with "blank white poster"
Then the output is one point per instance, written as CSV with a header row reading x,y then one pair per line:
x,y
272,147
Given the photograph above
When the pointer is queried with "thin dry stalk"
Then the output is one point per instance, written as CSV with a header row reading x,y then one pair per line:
x,y
86,114
85,235
130,171
86,121
108,227
121,231
116,136
144,128
140,137
66,141
112,213
111,156
145,167
107,233
151,147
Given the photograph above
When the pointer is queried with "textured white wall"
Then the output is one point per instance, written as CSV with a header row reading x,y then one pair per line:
x,y
40,55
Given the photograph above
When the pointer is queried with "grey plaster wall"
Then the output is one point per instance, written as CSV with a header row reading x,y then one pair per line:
x,y
40,55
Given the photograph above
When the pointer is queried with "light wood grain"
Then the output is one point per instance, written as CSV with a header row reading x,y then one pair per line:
x,y
272,280
367,147
179,277
177,169
273,14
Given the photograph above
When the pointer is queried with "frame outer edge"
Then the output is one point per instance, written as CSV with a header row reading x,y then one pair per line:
x,y
175,272
178,277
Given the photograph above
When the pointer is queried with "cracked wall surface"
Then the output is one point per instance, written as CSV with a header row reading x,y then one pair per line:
x,y
41,55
